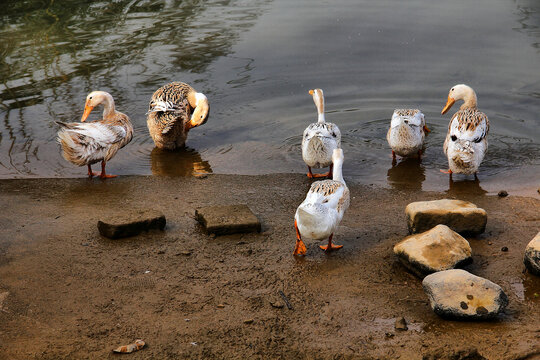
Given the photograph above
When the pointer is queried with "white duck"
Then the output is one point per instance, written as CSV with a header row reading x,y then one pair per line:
x,y
466,141
321,212
320,139
407,132
89,143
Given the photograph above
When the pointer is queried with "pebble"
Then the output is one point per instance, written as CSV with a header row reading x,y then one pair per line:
x,y
458,294
401,324
220,306
504,249
503,193
248,321
228,219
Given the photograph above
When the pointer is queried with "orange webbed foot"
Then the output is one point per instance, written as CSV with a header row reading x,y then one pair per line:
x,y
300,248
107,176
330,247
446,171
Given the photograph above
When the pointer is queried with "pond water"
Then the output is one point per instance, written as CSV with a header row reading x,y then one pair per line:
x,y
256,61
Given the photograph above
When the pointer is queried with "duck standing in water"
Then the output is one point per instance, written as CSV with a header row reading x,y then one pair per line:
x,y
320,139
321,212
89,143
407,132
466,142
174,109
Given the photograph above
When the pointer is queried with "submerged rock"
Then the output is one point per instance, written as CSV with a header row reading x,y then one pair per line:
x,y
434,250
229,219
532,255
131,223
461,216
458,294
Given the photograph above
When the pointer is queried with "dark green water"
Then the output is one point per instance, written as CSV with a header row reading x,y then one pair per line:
x,y
256,61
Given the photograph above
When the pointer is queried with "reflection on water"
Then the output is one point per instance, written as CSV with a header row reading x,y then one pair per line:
x,y
464,187
182,162
256,60
407,174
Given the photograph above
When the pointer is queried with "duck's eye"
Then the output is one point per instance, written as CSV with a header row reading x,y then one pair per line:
x,y
325,201
334,134
453,137
90,98
452,89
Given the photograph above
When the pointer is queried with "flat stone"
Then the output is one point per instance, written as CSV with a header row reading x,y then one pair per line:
x,y
229,219
401,324
461,216
532,255
437,249
458,294
131,223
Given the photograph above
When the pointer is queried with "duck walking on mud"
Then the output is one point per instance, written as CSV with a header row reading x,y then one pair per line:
x,y
321,212
466,141
173,110
89,143
407,132
320,139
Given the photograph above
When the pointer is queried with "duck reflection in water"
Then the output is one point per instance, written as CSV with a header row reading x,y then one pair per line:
x,y
465,187
408,174
181,162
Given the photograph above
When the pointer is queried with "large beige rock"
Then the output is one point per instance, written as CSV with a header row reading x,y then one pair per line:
x,y
228,219
459,294
131,223
434,250
532,255
461,216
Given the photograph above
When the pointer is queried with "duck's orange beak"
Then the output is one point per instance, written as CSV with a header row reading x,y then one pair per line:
x,y
87,110
310,92
448,105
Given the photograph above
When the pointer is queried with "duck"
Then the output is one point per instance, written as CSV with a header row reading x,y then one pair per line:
x,y
319,140
174,109
319,215
406,133
89,143
466,141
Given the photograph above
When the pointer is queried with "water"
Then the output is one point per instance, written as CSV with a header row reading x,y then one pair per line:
x,y
256,61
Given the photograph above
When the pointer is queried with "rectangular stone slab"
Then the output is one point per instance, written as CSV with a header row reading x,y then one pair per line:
x,y
461,216
131,223
228,219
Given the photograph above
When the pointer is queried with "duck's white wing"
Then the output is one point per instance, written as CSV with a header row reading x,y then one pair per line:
x,y
470,125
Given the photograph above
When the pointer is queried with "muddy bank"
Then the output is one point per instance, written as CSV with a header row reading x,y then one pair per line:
x,y
67,292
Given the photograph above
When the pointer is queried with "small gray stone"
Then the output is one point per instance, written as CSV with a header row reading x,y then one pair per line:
x,y
230,219
461,216
532,255
458,294
435,250
131,223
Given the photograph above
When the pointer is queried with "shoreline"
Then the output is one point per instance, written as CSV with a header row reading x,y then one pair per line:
x,y
72,293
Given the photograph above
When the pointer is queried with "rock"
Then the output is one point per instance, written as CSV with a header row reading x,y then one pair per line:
x,y
231,219
458,294
434,250
401,324
248,321
461,216
504,249
532,255
503,193
131,223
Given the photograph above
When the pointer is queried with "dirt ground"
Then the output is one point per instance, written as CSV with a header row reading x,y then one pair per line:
x,y
68,293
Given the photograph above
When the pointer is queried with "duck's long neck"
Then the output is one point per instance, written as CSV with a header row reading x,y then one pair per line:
x,y
469,101
338,171
108,106
319,103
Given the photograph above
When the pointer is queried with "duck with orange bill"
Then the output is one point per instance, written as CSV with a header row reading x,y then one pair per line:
x,y
466,141
174,109
320,139
99,141
319,215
